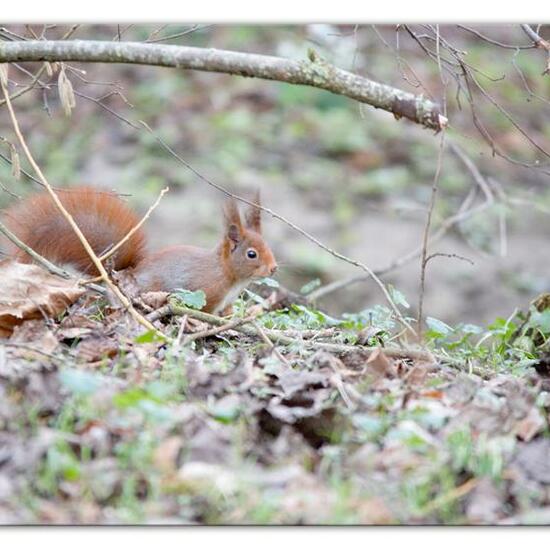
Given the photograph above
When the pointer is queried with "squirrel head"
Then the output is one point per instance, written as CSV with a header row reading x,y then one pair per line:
x,y
247,254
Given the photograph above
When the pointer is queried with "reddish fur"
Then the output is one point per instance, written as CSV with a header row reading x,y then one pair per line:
x,y
102,217
105,220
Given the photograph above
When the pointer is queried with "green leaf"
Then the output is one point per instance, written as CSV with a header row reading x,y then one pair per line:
x,y
196,299
439,328
268,282
148,337
540,320
398,297
130,398
468,328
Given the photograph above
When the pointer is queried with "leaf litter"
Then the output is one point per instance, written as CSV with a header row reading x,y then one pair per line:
x,y
101,423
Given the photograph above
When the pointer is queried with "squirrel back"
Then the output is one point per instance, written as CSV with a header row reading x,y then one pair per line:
x,y
102,217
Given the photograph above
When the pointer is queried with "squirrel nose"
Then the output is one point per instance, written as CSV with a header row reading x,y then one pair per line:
x,y
273,268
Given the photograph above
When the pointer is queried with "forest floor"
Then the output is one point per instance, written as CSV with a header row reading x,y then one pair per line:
x,y
295,417
346,420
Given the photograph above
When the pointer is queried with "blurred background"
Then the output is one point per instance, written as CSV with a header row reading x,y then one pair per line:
x,y
354,177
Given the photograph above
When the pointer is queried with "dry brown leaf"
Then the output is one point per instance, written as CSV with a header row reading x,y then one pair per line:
x,y
165,457
379,365
30,292
155,299
37,335
531,425
416,375
95,349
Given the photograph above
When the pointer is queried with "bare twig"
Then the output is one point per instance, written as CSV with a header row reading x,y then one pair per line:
x,y
276,336
40,72
314,72
463,213
424,255
111,251
234,323
52,268
99,266
539,43
473,169
314,240
495,42
261,333
446,255
194,28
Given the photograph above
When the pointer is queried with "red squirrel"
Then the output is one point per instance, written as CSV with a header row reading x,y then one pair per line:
x,y
222,272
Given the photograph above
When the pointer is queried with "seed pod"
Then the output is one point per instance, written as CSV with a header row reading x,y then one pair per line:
x,y
4,74
66,93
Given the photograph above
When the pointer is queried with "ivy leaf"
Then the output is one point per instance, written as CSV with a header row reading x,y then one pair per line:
x,y
540,320
196,299
468,328
437,327
398,297
268,282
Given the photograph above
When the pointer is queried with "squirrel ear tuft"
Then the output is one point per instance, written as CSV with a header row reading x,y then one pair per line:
x,y
233,225
253,216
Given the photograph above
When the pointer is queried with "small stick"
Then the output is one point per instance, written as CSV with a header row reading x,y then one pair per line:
x,y
217,329
539,43
110,252
264,337
277,336
99,266
180,330
303,232
52,268
425,239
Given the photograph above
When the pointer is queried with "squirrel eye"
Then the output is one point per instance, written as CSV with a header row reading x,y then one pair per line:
x,y
251,253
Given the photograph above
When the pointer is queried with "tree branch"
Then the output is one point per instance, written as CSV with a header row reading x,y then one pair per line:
x,y
314,72
539,42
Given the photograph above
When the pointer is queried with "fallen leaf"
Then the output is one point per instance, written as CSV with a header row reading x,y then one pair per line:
x,y
379,365
155,299
165,457
530,425
30,292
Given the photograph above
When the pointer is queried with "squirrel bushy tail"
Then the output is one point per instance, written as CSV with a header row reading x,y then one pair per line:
x,y
102,217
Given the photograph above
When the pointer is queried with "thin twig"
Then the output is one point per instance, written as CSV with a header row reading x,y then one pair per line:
x,y
36,77
178,34
446,255
99,266
539,43
495,42
261,333
473,169
218,329
310,237
463,213
426,235
52,268
128,235
279,337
